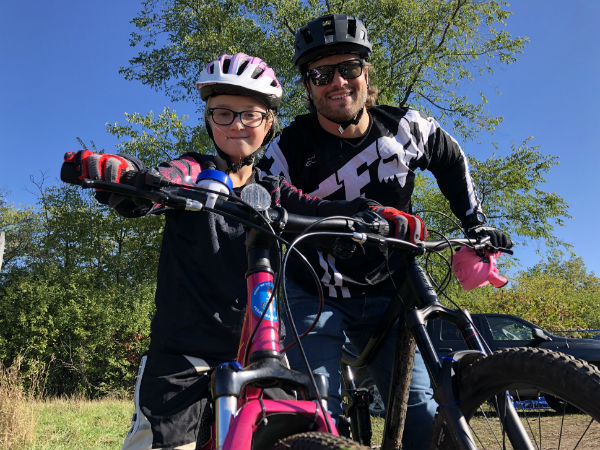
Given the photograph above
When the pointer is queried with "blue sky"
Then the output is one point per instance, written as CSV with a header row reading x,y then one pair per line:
x,y
59,80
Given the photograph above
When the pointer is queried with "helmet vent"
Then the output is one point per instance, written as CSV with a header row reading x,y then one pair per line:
x,y
328,26
226,64
242,68
352,27
306,35
258,71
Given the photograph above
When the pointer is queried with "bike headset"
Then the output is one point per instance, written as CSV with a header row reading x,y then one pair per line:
x,y
331,34
245,75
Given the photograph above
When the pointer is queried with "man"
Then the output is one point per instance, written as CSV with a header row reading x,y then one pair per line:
x,y
344,148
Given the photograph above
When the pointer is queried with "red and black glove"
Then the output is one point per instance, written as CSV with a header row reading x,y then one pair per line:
x,y
86,164
405,226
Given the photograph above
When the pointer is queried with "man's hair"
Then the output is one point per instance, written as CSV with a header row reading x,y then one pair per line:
x,y
372,92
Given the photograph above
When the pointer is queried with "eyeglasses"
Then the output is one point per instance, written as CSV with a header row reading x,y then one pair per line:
x,y
224,116
348,70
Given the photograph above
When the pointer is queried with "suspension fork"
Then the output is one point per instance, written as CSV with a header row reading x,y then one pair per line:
x,y
418,289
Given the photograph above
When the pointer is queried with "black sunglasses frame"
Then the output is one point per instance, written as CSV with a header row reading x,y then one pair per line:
x,y
323,79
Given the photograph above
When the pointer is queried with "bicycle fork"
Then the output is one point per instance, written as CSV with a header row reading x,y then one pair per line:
x,y
418,287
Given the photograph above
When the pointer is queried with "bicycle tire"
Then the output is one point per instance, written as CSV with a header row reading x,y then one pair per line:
x,y
516,370
313,440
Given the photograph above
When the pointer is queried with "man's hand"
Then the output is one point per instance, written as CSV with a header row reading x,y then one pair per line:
x,y
498,239
86,164
405,226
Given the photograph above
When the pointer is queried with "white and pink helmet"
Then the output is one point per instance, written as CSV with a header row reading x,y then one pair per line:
x,y
240,74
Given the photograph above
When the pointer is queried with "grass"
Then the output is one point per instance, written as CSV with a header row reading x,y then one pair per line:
x,y
75,424
17,415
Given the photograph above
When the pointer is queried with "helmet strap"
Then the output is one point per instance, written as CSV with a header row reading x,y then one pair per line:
x,y
345,124
234,167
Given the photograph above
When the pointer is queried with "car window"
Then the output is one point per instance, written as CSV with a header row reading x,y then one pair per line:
x,y
508,329
450,332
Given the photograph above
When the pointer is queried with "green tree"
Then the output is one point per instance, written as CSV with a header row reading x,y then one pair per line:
x,y
79,293
155,139
556,294
424,52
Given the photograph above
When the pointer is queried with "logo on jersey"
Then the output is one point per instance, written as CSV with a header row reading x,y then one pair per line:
x,y
310,161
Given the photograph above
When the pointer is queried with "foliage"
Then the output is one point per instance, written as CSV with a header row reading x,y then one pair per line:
x,y
158,139
556,294
80,292
423,51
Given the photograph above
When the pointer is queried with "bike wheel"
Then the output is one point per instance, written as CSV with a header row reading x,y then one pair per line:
x,y
528,373
317,441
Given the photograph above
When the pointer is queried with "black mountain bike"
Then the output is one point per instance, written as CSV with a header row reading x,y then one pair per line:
x,y
481,393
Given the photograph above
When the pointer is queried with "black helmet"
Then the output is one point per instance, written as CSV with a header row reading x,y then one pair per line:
x,y
330,34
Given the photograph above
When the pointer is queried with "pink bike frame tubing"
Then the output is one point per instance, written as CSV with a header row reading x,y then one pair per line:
x,y
238,418
266,338
249,417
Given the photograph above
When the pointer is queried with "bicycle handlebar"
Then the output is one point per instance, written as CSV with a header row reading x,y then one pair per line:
x,y
192,198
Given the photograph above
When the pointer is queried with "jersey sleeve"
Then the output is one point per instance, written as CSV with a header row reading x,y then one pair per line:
x,y
297,202
446,160
274,162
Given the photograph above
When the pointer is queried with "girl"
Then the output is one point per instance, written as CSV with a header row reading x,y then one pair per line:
x,y
201,289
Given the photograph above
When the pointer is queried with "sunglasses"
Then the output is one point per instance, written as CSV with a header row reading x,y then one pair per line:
x,y
322,75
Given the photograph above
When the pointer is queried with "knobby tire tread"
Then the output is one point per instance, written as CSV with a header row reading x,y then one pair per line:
x,y
556,373
317,441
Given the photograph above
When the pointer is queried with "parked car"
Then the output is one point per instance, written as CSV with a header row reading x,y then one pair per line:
x,y
507,330
499,331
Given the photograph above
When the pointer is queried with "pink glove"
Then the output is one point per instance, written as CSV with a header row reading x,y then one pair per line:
x,y
475,271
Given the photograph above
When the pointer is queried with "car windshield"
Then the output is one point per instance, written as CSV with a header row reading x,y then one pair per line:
x,y
508,329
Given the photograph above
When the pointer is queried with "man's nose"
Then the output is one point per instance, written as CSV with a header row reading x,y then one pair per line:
x,y
338,80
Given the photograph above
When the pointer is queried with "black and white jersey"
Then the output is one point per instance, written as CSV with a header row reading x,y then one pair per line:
x,y
379,165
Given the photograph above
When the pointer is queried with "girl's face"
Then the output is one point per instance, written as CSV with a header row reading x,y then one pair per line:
x,y
241,137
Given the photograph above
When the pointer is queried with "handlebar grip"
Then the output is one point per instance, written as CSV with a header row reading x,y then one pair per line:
x,y
69,173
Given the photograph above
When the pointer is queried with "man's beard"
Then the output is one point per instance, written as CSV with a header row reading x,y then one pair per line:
x,y
341,115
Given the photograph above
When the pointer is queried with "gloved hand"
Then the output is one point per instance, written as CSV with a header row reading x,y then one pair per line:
x,y
86,164
405,226
497,238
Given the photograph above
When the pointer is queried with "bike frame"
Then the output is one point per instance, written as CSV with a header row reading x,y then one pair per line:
x,y
243,418
240,410
422,304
